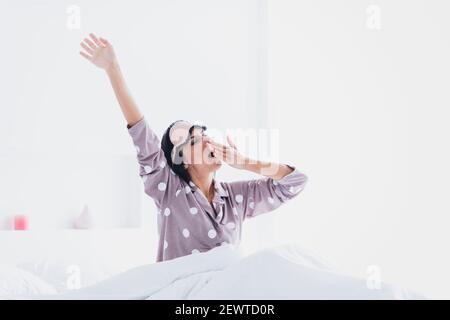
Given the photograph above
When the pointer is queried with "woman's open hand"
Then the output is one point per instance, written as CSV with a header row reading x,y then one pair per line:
x,y
229,153
99,51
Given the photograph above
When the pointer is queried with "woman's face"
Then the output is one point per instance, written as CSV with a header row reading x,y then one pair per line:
x,y
197,155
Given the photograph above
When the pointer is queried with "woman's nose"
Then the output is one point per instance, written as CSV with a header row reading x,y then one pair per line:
x,y
207,144
206,140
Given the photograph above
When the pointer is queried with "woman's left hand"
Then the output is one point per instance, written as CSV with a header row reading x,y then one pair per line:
x,y
229,153
98,51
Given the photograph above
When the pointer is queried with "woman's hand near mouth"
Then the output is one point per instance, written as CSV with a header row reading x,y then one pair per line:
x,y
228,153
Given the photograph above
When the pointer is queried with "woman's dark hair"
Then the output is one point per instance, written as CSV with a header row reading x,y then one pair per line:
x,y
167,147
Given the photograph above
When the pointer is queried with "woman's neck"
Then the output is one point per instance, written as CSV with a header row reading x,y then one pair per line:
x,y
205,184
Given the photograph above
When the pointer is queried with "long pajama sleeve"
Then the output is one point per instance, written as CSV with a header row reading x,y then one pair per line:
x,y
255,197
158,178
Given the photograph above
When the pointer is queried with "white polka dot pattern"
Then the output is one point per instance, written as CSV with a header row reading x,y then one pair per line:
x,y
147,169
161,186
212,233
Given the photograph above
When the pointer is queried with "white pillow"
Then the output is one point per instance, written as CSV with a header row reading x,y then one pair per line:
x,y
66,274
15,281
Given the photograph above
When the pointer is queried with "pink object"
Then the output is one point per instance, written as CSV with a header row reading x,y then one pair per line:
x,y
84,220
20,222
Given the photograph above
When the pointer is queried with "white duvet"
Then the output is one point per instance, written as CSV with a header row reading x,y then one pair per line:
x,y
283,272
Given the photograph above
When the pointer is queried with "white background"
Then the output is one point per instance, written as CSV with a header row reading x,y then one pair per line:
x,y
64,140
365,113
362,112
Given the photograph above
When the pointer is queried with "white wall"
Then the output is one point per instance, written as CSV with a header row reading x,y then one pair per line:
x,y
63,139
364,112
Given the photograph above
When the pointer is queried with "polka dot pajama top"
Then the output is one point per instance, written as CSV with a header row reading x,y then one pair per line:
x,y
187,222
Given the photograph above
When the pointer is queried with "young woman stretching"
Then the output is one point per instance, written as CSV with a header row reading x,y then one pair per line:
x,y
195,211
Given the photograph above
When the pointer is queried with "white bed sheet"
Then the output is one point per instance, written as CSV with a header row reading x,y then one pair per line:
x,y
282,272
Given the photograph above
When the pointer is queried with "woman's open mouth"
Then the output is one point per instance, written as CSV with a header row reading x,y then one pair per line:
x,y
213,158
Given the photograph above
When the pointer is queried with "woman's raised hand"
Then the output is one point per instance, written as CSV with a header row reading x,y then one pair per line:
x,y
98,51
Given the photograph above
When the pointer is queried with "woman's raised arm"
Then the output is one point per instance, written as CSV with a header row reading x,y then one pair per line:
x,y
101,53
159,180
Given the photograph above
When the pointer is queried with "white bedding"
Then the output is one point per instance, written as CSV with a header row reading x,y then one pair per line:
x,y
283,272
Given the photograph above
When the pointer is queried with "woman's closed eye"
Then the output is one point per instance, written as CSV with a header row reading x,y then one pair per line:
x,y
196,139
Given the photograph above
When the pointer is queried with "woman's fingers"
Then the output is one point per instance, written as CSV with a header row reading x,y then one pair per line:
x,y
90,44
95,39
88,57
88,49
231,142
104,41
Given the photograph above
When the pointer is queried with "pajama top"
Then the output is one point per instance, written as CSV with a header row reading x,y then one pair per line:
x,y
187,223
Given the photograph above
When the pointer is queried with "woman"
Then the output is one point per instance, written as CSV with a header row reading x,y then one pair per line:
x,y
195,212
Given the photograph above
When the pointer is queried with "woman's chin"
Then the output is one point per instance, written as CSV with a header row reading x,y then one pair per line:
x,y
213,163
217,164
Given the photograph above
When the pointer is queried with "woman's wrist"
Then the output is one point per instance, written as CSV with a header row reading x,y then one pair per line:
x,y
251,165
112,67
267,169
